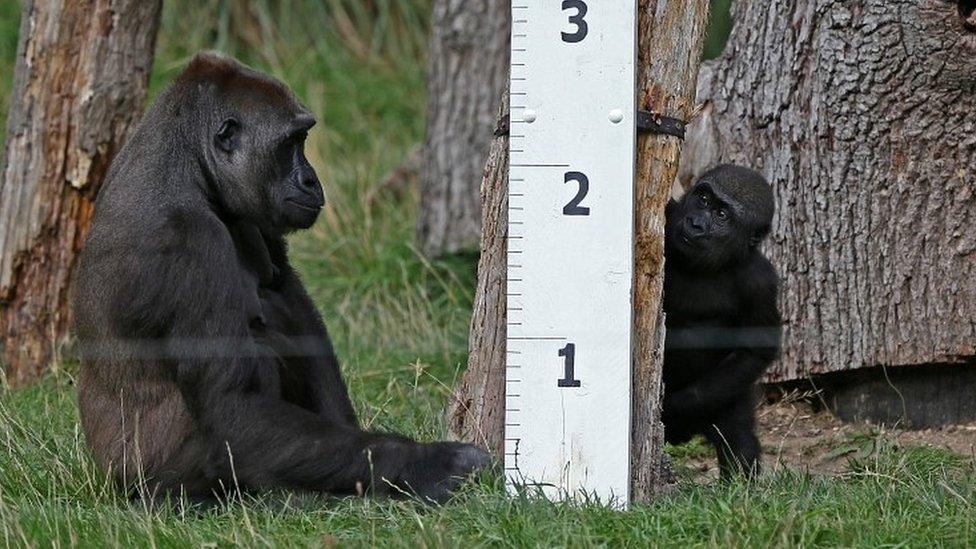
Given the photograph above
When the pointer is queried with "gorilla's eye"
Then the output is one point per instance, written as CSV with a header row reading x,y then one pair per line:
x,y
292,141
226,138
722,213
703,198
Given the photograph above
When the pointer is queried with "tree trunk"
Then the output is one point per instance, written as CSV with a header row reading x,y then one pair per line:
x,y
79,86
469,55
477,411
670,37
862,115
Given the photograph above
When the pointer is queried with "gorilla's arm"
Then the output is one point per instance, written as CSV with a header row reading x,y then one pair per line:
x,y
757,335
311,377
732,377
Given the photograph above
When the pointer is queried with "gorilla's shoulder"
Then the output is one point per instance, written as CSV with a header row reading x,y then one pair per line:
x,y
758,276
193,231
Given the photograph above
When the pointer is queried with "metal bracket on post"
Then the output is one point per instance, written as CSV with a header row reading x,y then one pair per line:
x,y
652,122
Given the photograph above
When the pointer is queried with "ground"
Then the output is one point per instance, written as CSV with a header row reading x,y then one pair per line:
x,y
797,437
399,322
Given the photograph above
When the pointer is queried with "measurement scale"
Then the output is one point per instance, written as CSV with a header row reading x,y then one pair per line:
x,y
570,248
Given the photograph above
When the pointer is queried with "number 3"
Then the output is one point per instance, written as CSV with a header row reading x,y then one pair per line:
x,y
581,28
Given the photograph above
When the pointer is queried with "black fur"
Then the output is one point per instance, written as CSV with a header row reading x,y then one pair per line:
x,y
206,365
723,326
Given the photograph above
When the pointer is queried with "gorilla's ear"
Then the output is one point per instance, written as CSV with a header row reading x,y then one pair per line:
x,y
758,235
670,207
227,138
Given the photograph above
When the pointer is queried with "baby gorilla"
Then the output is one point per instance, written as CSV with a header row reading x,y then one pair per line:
x,y
723,327
205,364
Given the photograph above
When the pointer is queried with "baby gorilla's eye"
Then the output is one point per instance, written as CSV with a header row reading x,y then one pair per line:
x,y
722,213
703,199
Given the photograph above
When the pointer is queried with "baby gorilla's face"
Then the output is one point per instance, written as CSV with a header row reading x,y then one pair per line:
x,y
707,228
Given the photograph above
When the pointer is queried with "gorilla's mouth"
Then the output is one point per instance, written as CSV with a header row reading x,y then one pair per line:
x,y
303,205
690,241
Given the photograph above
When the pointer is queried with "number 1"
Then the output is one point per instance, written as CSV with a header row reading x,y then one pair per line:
x,y
569,351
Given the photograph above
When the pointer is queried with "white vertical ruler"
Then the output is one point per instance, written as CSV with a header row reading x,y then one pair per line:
x,y
570,248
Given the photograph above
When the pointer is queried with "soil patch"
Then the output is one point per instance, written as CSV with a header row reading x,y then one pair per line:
x,y
796,436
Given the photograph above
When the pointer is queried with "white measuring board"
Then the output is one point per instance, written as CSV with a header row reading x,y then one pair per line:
x,y
570,247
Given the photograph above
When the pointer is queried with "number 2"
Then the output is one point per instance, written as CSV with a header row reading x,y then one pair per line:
x,y
569,380
574,208
581,27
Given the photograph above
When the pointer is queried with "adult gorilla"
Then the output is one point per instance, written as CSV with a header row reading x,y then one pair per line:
x,y
206,365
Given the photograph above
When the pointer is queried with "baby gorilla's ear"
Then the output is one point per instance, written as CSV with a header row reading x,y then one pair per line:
x,y
671,207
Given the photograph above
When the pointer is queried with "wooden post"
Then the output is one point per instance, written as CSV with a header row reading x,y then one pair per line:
x,y
669,43
669,48
79,85
477,411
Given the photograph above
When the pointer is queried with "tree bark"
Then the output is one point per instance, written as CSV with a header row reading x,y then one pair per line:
x,y
862,115
669,44
477,411
670,38
79,86
468,72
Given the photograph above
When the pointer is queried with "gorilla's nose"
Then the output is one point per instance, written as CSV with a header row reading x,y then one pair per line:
x,y
695,226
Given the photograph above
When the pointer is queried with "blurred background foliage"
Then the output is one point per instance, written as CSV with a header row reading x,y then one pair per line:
x,y
377,31
719,27
9,26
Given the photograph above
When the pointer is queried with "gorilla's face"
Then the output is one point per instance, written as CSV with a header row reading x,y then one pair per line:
x,y
721,220
706,230
297,194
711,228
261,167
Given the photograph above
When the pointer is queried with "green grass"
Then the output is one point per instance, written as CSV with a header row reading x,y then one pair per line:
x,y
400,325
50,493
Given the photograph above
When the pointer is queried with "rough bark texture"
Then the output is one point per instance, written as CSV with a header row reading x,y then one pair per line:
x,y
862,115
469,55
477,411
670,38
669,47
79,85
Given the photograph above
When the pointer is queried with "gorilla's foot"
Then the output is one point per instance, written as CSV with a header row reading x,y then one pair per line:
x,y
440,468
